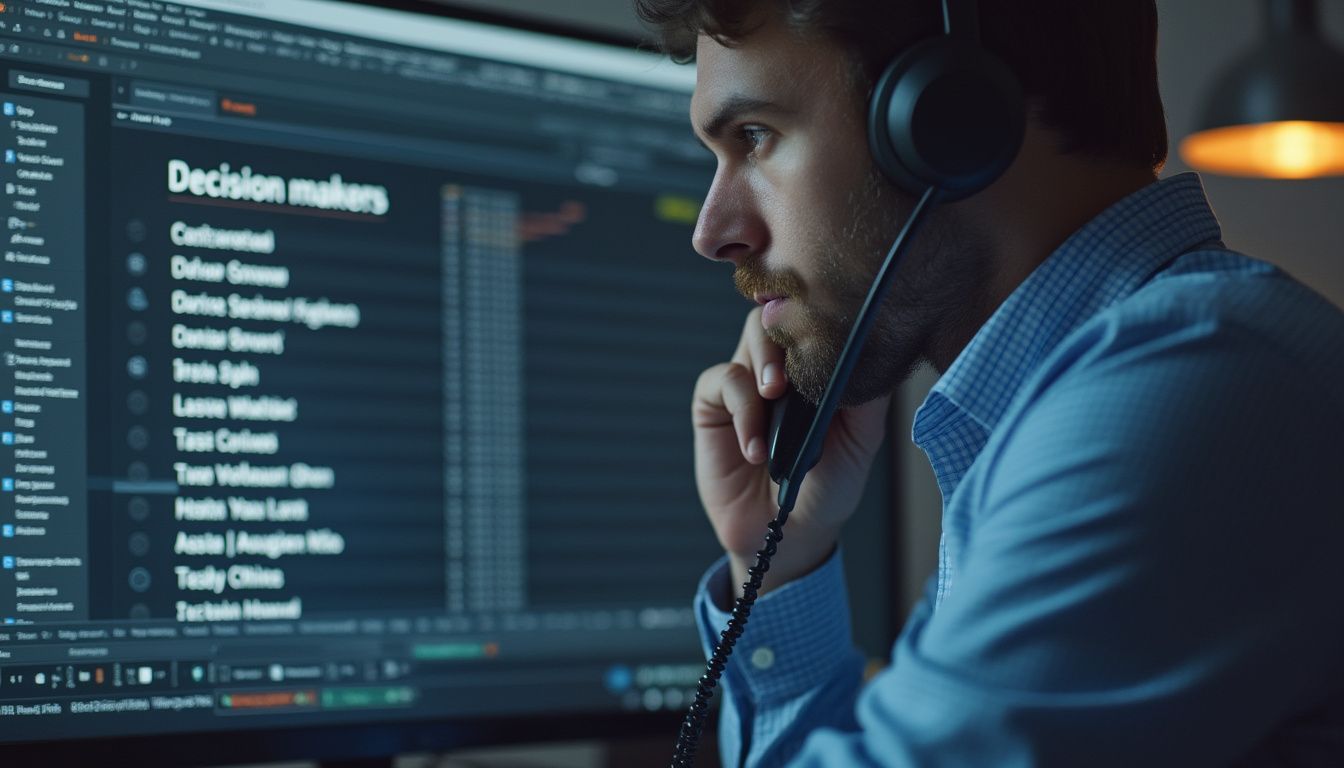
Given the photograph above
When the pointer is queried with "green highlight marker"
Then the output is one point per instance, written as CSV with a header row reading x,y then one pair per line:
x,y
448,651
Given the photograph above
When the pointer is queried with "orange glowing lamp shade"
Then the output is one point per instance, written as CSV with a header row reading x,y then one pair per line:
x,y
1277,110
1289,149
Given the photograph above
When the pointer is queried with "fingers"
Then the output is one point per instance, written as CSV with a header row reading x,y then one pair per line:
x,y
762,357
725,395
736,393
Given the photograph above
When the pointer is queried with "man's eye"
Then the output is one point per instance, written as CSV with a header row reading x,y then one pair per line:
x,y
754,136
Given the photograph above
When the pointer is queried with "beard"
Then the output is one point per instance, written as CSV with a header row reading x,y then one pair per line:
x,y
941,280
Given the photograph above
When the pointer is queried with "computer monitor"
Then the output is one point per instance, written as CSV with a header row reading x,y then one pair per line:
x,y
348,355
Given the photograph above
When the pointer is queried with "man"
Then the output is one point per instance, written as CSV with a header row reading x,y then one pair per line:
x,y
1137,433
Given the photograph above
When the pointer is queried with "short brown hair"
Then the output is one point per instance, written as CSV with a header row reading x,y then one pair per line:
x,y
1088,67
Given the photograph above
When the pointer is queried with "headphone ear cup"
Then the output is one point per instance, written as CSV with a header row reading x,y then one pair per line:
x,y
945,114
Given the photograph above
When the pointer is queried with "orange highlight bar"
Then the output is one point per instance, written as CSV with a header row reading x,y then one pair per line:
x,y
245,108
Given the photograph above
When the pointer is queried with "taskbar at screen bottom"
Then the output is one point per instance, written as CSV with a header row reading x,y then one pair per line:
x,y
97,701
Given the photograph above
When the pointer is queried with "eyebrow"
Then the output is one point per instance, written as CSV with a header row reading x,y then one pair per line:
x,y
733,108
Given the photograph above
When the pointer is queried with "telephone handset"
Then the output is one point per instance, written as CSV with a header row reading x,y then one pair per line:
x,y
790,418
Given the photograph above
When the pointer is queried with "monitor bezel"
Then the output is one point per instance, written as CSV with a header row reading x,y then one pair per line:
x,y
502,18
342,743
386,738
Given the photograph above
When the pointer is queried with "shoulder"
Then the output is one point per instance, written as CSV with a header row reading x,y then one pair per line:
x,y
1209,314
1243,298
1219,367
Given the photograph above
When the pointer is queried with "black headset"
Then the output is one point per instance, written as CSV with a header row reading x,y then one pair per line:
x,y
945,120
945,113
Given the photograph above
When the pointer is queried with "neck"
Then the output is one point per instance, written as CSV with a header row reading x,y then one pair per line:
x,y
1042,199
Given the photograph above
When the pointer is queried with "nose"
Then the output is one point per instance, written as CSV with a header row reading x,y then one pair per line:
x,y
730,227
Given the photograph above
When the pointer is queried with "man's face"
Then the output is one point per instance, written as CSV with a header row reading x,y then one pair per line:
x,y
799,209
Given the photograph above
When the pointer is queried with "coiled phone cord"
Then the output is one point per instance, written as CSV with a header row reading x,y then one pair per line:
x,y
694,723
688,737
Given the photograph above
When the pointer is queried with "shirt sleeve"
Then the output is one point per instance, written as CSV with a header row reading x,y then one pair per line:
x,y
795,668
1152,578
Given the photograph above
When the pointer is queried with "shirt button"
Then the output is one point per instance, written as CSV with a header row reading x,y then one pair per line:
x,y
763,658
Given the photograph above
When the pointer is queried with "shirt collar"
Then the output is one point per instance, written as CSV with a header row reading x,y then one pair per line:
x,y
1103,262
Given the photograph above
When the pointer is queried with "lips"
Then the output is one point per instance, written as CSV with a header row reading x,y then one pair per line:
x,y
766,298
771,314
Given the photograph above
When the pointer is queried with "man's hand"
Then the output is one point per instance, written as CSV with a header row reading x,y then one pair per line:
x,y
730,413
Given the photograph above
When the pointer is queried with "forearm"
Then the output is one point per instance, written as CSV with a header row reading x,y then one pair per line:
x,y
794,670
798,558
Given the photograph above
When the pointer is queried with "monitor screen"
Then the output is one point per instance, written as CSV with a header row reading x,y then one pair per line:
x,y
348,355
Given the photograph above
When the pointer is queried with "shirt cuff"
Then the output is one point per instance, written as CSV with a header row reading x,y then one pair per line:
x,y
796,637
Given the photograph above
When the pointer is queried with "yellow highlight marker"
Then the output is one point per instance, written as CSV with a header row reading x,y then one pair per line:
x,y
677,209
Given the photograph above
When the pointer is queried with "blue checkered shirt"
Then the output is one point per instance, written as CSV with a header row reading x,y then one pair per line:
x,y
1141,456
